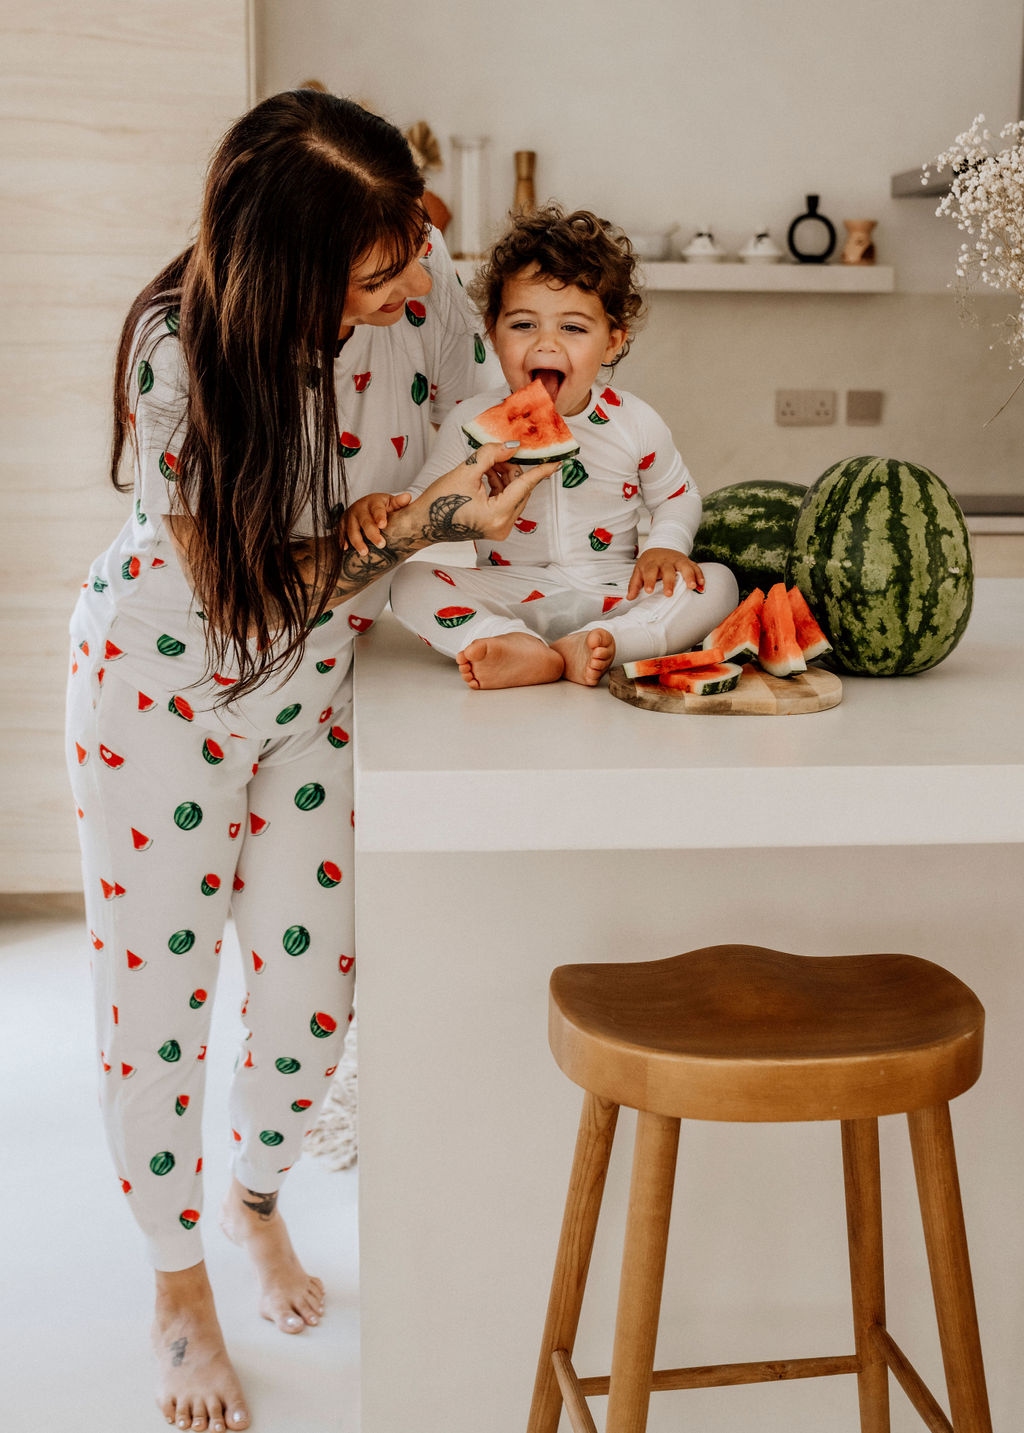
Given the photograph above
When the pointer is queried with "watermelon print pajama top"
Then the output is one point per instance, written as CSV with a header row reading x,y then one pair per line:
x,y
566,565
188,809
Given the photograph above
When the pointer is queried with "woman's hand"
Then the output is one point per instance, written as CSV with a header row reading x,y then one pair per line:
x,y
663,564
366,518
501,475
455,508
461,505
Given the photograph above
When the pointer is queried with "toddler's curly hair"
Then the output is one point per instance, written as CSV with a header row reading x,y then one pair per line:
x,y
577,248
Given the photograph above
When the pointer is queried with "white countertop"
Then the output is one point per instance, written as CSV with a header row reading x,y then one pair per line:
x,y
932,759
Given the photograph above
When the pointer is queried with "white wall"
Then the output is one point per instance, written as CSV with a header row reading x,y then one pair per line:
x,y
110,113
675,111
670,111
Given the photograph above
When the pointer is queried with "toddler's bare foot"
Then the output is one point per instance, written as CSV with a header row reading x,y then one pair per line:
x,y
514,660
588,655
198,1387
289,1297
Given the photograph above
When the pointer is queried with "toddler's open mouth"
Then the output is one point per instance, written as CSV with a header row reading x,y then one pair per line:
x,y
551,379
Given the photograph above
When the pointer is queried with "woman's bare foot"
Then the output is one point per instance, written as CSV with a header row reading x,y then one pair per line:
x,y
289,1297
198,1387
588,655
514,660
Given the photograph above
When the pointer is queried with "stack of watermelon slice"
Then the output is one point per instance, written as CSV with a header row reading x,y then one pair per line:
x,y
778,632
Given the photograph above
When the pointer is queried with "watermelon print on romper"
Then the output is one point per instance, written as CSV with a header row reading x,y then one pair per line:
x,y
577,538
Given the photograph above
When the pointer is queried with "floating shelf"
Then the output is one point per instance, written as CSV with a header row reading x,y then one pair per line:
x,y
783,278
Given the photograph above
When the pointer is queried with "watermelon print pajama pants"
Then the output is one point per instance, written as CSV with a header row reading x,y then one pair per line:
x,y
449,607
178,822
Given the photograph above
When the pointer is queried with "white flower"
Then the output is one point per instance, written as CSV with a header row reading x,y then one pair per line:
x,y
986,199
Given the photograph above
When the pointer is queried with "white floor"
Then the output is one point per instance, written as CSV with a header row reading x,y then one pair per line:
x,y
74,1317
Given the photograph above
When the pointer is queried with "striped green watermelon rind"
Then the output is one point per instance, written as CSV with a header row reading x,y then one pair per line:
x,y
882,554
674,662
532,457
529,416
703,681
749,527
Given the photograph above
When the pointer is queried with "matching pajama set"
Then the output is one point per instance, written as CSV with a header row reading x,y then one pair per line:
x,y
187,808
566,565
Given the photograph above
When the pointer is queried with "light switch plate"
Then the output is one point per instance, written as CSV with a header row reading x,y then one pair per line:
x,y
863,406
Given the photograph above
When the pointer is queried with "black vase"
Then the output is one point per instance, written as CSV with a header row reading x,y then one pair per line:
x,y
811,238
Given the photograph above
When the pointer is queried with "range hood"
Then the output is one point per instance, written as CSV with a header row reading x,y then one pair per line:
x,y
908,184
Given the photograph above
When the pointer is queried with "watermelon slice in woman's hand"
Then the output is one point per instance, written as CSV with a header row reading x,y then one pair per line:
x,y
527,417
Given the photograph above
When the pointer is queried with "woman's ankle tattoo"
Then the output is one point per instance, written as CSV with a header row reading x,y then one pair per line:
x,y
261,1204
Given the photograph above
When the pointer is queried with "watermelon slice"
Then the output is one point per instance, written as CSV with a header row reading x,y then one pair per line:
x,y
703,681
812,640
779,652
738,636
679,662
529,418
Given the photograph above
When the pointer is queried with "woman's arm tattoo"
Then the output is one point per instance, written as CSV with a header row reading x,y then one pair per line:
x,y
441,525
359,570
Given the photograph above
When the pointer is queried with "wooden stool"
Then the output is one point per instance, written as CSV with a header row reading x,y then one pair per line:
x,y
735,1032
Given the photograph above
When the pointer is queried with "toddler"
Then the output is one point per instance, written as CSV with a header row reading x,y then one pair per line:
x,y
568,592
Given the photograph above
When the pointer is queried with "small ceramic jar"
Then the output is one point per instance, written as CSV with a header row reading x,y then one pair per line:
x,y
703,248
761,248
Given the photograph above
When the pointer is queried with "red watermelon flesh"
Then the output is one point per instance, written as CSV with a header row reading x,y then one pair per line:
x,y
812,640
529,418
779,652
703,681
738,636
678,662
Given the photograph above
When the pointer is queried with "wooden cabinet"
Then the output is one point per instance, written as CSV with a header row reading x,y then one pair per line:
x,y
111,112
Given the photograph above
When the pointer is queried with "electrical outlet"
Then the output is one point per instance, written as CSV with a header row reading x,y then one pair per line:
x,y
805,407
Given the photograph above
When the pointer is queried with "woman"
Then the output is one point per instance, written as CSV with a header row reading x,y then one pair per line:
x,y
286,364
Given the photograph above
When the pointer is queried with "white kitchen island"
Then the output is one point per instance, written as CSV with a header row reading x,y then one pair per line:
x,y
502,833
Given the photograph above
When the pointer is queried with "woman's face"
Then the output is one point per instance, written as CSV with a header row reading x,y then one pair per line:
x,y
367,300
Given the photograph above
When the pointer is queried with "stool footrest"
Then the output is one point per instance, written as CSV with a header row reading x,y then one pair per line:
x,y
573,1399
721,1375
576,1390
910,1381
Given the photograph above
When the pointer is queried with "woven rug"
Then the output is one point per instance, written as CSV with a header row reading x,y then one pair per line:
x,y
335,1136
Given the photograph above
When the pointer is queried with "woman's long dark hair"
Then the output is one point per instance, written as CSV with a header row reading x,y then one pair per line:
x,y
300,190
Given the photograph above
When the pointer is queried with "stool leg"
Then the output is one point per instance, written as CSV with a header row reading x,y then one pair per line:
x,y
867,1278
575,1244
643,1270
938,1189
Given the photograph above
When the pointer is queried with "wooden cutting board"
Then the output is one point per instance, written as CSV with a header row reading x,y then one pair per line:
x,y
755,694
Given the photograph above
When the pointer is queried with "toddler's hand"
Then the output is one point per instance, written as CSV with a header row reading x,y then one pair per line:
x,y
665,565
366,518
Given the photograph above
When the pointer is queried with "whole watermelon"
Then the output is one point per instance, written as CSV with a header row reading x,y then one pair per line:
x,y
749,527
882,554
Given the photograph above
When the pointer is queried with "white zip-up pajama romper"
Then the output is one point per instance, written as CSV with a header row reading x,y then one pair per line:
x,y
187,808
566,565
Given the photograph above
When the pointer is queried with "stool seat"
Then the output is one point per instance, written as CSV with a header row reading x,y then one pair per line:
x,y
739,1032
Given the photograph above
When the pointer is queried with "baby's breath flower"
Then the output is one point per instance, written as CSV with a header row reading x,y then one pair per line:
x,y
986,199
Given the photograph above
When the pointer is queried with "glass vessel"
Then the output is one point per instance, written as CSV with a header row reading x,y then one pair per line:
x,y
469,200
